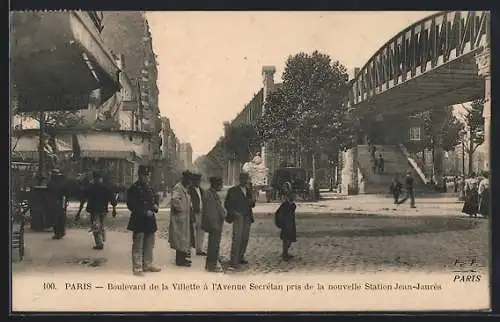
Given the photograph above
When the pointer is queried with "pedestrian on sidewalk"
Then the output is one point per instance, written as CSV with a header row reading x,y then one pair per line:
x,y
143,204
98,197
409,188
396,188
238,205
58,191
180,231
196,194
83,183
484,194
213,216
471,202
285,220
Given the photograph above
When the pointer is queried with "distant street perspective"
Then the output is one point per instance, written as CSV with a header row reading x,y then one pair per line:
x,y
143,148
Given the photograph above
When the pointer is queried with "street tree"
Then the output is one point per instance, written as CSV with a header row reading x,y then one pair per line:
x,y
307,115
447,126
241,141
474,122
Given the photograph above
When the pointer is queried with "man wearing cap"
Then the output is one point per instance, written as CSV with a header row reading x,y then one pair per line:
x,y
213,215
98,197
143,205
180,234
239,203
196,194
58,190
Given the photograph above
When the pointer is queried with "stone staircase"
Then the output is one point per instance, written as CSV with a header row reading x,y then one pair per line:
x,y
394,162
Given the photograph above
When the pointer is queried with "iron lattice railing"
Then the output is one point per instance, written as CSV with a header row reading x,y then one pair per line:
x,y
430,41
97,18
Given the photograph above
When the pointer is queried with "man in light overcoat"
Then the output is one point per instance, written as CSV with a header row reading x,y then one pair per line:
x,y
212,222
180,235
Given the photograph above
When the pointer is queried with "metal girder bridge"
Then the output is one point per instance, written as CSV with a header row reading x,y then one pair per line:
x,y
429,64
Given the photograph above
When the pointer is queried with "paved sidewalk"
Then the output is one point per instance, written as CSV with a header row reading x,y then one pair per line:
x,y
433,205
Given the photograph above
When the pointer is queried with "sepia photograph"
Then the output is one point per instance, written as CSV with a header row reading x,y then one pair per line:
x,y
210,161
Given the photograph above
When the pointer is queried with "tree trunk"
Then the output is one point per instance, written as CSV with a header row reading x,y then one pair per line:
x,y
471,156
314,166
41,154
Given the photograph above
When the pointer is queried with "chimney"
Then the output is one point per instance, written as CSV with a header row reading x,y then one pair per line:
x,y
268,74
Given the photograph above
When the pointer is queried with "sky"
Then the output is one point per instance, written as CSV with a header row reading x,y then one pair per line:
x,y
210,63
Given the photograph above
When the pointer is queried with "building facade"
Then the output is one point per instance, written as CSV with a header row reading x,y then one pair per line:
x,y
217,159
186,156
118,130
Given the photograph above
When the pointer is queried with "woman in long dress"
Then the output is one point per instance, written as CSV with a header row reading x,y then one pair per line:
x,y
484,195
471,204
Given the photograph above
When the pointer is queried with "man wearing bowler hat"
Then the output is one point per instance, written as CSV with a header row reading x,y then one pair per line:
x,y
213,216
143,205
180,231
196,194
239,203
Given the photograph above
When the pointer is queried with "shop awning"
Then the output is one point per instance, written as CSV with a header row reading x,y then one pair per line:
x,y
106,145
27,146
57,59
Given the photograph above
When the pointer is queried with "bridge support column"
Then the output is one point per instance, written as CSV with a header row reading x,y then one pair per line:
x,y
438,117
483,60
350,170
438,161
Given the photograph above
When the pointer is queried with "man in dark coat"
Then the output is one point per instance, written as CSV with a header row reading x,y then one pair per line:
x,y
58,190
196,194
213,216
83,184
98,197
143,204
409,187
239,204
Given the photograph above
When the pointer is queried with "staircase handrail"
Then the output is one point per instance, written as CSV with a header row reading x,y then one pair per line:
x,y
414,164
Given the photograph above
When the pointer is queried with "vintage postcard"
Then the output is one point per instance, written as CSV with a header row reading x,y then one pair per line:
x,y
250,161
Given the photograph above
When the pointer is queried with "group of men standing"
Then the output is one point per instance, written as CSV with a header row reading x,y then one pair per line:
x,y
194,212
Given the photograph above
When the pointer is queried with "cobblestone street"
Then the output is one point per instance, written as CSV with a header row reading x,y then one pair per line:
x,y
385,240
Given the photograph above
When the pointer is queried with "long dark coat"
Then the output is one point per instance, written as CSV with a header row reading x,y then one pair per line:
x,y
286,219
471,204
140,199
